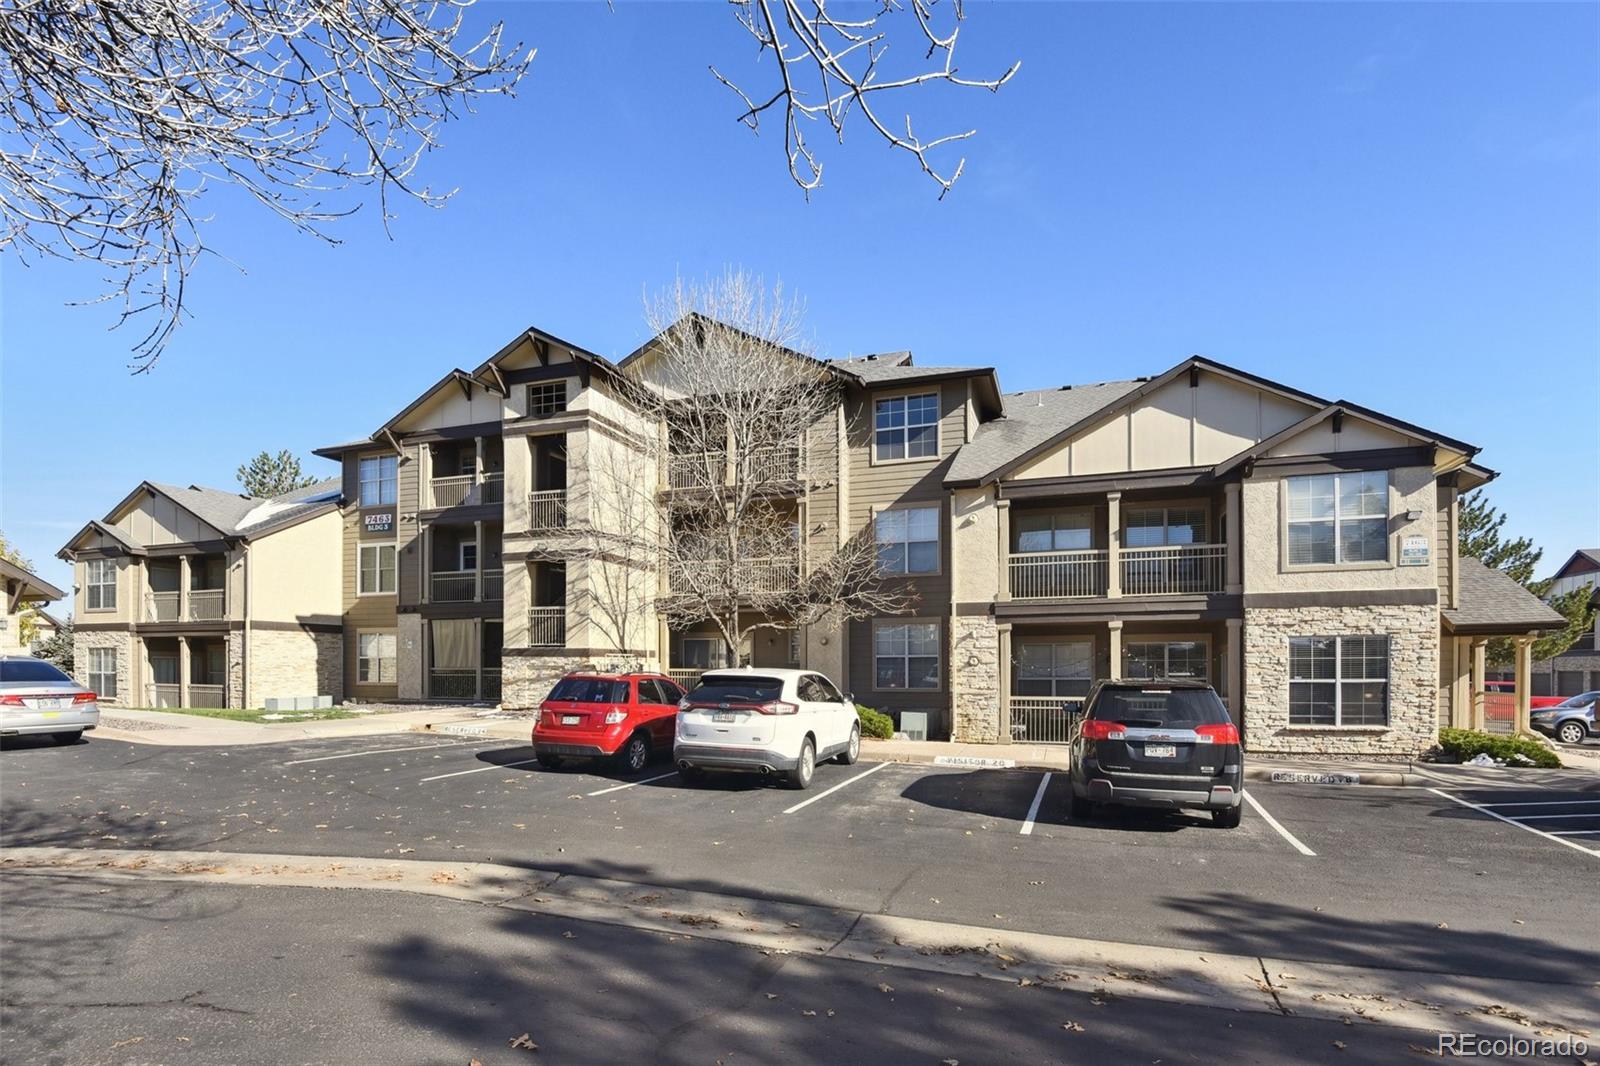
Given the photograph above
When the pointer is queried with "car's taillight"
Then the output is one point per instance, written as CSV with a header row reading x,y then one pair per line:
x,y
1222,733
11,701
614,717
85,697
1096,729
777,707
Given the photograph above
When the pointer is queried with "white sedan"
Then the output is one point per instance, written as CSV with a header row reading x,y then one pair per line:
x,y
765,721
36,698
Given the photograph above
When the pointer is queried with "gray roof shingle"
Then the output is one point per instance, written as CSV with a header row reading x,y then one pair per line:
x,y
1031,419
236,515
877,371
1492,601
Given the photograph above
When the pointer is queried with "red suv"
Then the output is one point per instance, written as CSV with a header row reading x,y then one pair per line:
x,y
607,716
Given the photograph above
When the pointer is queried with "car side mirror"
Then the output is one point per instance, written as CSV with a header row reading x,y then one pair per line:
x,y
850,698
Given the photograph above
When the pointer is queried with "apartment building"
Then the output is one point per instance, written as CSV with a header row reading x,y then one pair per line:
x,y
26,595
1577,669
187,596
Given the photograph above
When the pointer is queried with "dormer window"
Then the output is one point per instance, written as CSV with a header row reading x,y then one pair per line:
x,y
906,427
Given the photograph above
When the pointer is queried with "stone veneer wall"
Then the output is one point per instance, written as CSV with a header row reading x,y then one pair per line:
x,y
1413,633
974,679
287,664
124,643
525,680
236,693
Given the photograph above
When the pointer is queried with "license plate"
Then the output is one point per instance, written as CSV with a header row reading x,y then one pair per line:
x,y
722,716
1160,751
50,704
571,719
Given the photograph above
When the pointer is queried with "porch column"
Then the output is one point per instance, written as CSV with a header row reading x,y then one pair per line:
x,y
183,671
477,559
1005,682
1003,526
427,659
1114,649
1480,649
1234,574
1114,554
1461,682
183,589
425,562
477,658
664,643
1524,677
1233,669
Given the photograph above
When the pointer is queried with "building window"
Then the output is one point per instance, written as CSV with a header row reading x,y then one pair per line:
x,y
1066,531
1154,527
379,480
376,569
1059,668
1339,681
100,590
908,540
907,655
794,647
1166,658
467,556
375,658
700,653
547,399
1339,518
906,427
103,672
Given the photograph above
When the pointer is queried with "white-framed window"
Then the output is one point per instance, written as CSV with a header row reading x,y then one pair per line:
x,y
1054,668
1166,658
908,540
1154,527
700,653
906,427
546,399
1339,518
375,658
100,585
906,655
1337,681
467,555
1055,532
379,476
103,672
375,569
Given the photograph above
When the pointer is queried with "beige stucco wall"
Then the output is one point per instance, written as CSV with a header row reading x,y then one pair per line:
x,y
975,546
298,571
130,591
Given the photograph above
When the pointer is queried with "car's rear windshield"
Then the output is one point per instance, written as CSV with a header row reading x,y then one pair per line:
x,y
737,689
1159,708
589,690
31,670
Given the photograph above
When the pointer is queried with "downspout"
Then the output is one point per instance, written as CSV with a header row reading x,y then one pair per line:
x,y
244,648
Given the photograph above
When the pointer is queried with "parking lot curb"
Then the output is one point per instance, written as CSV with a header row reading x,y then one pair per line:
x,y
1337,778
971,762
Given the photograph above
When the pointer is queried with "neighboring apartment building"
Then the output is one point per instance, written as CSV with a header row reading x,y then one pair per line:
x,y
25,595
1300,554
198,597
1577,669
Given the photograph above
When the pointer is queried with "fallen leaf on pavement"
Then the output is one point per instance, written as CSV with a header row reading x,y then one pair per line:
x,y
525,1042
809,1013
1339,1044
570,935
885,987
772,995
1072,1027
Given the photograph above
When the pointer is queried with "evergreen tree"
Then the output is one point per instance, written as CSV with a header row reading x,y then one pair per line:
x,y
273,475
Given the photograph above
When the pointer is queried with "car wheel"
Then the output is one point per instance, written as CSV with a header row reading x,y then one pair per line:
x,y
549,762
800,776
1082,809
635,754
852,750
1571,732
67,738
1226,817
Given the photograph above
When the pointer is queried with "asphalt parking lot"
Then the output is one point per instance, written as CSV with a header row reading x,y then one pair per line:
x,y
1467,877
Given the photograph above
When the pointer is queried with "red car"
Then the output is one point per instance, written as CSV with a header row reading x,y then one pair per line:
x,y
1509,688
624,717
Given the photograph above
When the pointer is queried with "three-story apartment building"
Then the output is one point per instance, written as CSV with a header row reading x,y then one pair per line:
x,y
198,597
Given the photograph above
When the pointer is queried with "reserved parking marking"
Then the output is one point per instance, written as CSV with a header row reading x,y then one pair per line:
x,y
630,784
835,788
1481,809
480,770
382,751
1033,809
1270,820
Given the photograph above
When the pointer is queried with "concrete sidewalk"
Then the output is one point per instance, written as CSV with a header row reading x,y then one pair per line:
x,y
194,730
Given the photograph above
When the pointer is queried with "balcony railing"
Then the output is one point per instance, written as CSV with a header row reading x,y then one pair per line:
x,y
686,676
547,510
756,577
782,462
688,469
1174,570
493,585
493,489
450,491
1057,575
455,586
453,684
163,695
207,605
208,696
161,607
1044,719
547,627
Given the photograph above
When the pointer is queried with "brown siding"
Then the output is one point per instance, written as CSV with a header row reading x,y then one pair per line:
x,y
364,613
407,553
1444,546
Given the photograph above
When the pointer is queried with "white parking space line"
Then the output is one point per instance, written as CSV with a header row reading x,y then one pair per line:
x,y
630,784
479,770
1033,809
1573,832
835,788
1547,803
1543,817
1270,820
1481,809
382,751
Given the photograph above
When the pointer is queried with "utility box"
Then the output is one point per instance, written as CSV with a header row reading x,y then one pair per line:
x,y
914,724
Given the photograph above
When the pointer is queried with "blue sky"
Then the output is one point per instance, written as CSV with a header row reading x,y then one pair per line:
x,y
1394,204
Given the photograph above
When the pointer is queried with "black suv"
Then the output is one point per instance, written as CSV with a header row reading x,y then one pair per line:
x,y
1157,743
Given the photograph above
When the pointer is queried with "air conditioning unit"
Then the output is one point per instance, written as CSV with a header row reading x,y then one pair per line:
x,y
914,724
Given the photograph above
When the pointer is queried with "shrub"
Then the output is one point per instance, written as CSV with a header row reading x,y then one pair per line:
x,y
1466,743
874,723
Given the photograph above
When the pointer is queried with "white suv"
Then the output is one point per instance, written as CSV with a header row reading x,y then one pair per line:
x,y
765,721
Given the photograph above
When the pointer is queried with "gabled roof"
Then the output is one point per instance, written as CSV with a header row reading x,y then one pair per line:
x,y
897,368
35,589
1492,603
1032,420
231,514
695,316
1590,554
1337,409
130,545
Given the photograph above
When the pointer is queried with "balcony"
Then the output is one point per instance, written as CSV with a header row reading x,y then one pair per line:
x,y
547,511
1057,575
757,577
1172,570
462,586
205,605
1044,719
466,490
778,463
685,470
547,626
208,696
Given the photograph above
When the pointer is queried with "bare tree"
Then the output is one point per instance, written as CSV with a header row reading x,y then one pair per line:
x,y
741,408
613,530
829,65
